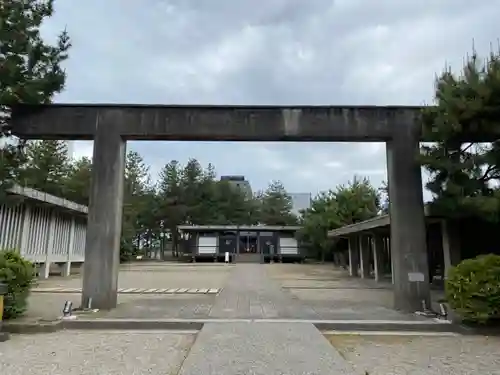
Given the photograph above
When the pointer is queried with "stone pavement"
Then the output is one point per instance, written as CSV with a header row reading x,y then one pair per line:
x,y
251,293
244,291
263,349
333,295
141,277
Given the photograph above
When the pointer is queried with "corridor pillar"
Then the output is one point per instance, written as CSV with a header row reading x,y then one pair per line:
x,y
378,257
238,239
364,252
102,247
353,256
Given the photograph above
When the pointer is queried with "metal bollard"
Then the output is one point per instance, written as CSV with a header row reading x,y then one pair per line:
x,y
4,336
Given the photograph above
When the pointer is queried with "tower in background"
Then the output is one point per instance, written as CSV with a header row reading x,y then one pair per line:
x,y
238,182
71,148
300,201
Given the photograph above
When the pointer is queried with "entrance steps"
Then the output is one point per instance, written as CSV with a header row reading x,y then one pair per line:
x,y
248,258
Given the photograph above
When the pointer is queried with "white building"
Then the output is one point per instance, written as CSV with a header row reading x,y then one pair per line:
x,y
71,148
47,230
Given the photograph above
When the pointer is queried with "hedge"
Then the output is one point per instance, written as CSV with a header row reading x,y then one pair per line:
x,y
19,275
473,289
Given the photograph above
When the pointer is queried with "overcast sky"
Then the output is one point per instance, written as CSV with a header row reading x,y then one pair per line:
x,y
383,52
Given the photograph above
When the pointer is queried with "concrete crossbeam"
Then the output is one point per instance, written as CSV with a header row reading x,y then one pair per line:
x,y
216,123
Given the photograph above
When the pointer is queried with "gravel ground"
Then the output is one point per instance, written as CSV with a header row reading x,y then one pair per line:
x,y
412,355
95,353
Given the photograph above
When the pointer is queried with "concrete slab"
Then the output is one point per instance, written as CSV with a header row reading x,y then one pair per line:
x,y
156,275
333,294
135,306
263,349
249,291
91,352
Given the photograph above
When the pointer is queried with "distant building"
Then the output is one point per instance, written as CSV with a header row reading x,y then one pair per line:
x,y
300,201
71,148
238,182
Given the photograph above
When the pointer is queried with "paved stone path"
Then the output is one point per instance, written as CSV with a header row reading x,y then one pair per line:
x,y
250,293
263,349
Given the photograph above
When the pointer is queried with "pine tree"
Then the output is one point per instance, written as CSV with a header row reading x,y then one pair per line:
x,y
357,201
347,204
171,207
134,198
276,206
77,184
461,165
30,70
46,167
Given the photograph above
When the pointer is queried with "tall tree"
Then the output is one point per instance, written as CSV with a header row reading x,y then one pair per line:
x,y
46,167
193,178
135,203
357,201
77,183
317,220
30,70
463,170
171,200
276,206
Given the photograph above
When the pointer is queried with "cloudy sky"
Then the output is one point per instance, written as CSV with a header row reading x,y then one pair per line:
x,y
268,52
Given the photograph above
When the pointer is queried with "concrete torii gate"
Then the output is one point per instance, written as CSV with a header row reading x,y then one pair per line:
x,y
110,126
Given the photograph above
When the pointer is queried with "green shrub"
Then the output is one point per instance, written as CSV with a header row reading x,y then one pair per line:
x,y
473,289
127,251
19,275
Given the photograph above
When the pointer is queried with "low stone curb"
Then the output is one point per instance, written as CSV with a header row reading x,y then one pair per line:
x,y
478,331
197,324
76,323
126,324
30,327
392,326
